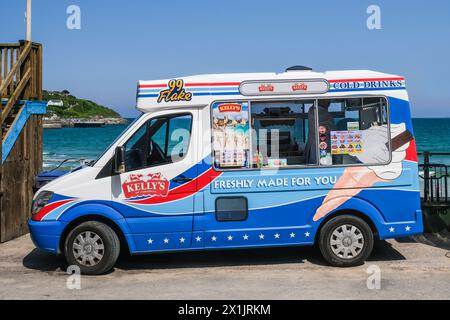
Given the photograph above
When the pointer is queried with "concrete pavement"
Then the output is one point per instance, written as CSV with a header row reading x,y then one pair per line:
x,y
411,268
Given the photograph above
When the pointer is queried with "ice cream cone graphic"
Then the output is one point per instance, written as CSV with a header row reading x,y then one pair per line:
x,y
376,150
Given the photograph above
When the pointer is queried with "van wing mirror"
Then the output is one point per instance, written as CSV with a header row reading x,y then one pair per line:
x,y
119,160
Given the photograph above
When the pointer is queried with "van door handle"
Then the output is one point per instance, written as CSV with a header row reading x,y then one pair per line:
x,y
181,179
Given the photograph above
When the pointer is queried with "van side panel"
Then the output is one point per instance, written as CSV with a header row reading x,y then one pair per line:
x,y
282,204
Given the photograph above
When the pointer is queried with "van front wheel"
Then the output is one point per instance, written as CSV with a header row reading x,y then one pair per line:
x,y
92,246
346,241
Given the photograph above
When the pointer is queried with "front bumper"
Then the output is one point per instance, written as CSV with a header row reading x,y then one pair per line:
x,y
46,235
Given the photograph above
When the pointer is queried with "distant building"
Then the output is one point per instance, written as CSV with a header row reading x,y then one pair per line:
x,y
56,103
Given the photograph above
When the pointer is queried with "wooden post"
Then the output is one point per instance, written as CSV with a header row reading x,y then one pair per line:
x,y
39,74
5,66
26,65
11,65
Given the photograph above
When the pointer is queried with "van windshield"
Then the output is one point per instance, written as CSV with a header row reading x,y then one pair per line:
x,y
115,140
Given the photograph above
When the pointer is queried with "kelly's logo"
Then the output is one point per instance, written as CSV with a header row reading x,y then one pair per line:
x,y
266,88
138,185
299,87
230,107
175,92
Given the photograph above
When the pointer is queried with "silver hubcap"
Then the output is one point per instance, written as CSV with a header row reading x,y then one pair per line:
x,y
88,248
347,241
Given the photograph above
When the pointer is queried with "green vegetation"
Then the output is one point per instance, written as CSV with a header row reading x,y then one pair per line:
x,y
74,107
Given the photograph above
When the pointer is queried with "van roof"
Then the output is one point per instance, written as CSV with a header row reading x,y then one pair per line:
x,y
200,90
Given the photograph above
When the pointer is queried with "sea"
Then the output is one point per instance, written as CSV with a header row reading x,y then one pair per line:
x,y
75,144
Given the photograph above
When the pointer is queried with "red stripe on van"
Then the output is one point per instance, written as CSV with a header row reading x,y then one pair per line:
x,y
184,190
152,85
411,152
202,84
48,208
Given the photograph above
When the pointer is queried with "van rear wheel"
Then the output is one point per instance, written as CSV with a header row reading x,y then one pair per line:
x,y
346,241
92,246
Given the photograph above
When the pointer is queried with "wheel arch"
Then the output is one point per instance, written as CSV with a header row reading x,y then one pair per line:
x,y
351,212
94,217
100,213
360,208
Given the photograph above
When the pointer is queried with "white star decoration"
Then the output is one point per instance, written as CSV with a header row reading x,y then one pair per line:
x,y
407,228
391,229
246,236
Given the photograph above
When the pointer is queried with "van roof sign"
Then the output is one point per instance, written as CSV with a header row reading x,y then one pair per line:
x,y
201,90
288,87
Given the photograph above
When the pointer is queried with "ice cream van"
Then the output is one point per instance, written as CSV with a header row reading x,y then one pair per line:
x,y
251,160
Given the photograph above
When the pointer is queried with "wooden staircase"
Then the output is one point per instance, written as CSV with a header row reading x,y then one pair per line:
x,y
20,80
20,133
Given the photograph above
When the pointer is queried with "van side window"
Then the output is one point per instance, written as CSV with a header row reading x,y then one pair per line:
x,y
179,135
353,131
263,134
159,141
283,133
134,149
231,134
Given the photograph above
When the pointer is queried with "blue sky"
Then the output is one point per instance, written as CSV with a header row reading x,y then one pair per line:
x,y
121,42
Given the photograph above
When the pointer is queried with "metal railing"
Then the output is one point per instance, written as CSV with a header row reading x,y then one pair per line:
x,y
435,178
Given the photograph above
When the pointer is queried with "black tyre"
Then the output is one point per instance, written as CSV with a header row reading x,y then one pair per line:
x,y
346,241
93,246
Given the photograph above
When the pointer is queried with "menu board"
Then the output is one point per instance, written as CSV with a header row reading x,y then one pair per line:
x,y
230,134
346,142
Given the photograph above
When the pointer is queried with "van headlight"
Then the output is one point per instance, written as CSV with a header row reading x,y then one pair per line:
x,y
41,201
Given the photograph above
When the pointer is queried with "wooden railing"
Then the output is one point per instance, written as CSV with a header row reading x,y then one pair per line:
x,y
20,76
